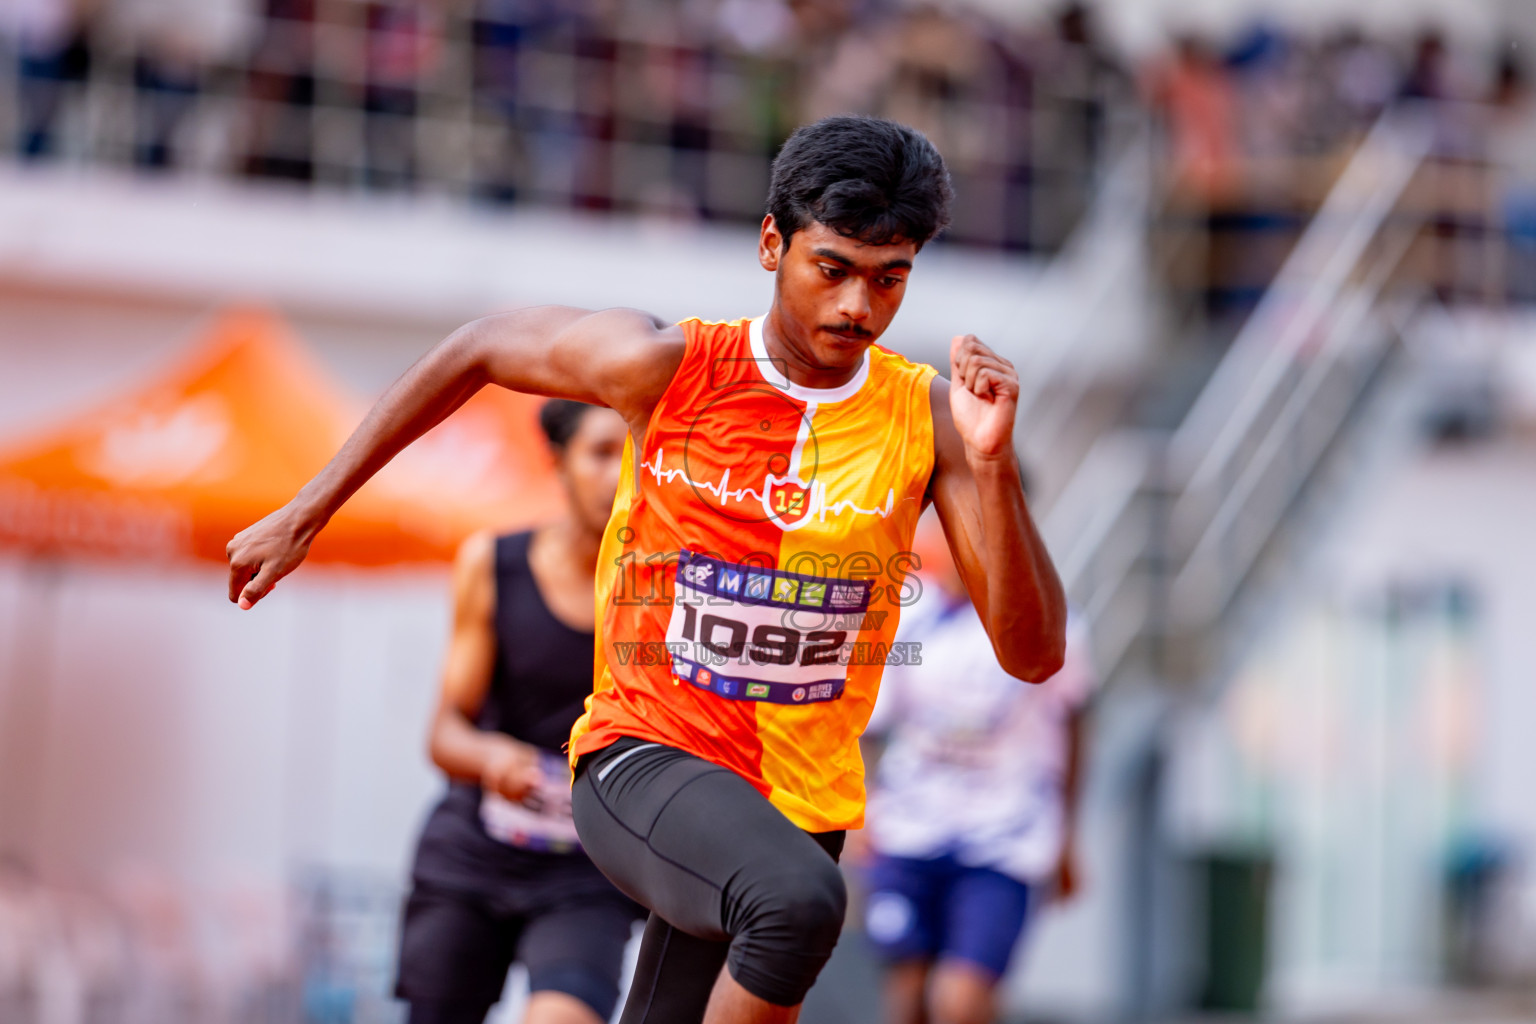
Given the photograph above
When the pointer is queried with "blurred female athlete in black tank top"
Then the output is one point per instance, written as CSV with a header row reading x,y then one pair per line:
x,y
499,875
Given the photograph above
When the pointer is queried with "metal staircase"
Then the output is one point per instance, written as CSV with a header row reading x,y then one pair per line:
x,y
1162,537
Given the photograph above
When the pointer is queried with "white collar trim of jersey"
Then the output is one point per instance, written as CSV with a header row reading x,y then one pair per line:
x,y
817,396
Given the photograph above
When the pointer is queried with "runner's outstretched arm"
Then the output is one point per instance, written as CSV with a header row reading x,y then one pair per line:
x,y
620,358
979,494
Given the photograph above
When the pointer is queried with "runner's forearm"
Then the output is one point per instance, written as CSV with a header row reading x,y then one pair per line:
x,y
460,749
423,397
1025,608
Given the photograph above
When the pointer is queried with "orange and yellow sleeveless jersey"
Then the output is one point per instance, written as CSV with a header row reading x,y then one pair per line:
x,y
755,567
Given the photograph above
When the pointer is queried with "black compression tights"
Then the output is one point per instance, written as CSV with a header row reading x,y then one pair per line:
x,y
728,878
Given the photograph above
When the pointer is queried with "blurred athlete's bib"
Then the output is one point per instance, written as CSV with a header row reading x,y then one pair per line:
x,y
542,821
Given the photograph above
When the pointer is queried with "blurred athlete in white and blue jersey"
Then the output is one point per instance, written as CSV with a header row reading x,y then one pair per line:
x,y
972,809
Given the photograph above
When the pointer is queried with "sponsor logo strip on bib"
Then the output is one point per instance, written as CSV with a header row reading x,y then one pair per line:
x,y
775,588
742,688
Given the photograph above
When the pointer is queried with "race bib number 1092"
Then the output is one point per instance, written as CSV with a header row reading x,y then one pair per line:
x,y
750,633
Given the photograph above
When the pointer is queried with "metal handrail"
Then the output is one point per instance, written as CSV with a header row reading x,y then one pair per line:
x,y
1099,506
1228,473
1182,497
1122,200
1319,268
1353,330
1123,467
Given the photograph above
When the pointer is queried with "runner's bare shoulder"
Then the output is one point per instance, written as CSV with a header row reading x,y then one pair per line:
x,y
621,358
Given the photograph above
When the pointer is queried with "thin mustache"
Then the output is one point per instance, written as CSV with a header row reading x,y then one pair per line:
x,y
851,328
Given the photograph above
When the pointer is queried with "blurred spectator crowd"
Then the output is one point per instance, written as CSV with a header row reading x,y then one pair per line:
x,y
667,107
674,108
1254,135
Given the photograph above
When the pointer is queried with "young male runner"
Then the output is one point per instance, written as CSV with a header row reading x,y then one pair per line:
x,y
753,570
499,875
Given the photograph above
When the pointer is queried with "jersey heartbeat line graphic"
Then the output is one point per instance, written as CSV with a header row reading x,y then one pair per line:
x,y
788,501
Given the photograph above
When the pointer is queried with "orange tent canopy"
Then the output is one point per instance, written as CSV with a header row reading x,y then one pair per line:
x,y
176,468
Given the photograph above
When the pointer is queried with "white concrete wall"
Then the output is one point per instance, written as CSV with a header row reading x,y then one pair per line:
x,y
1470,514
1361,748
383,261
151,729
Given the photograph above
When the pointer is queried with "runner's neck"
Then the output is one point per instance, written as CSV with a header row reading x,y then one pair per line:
x,y
789,372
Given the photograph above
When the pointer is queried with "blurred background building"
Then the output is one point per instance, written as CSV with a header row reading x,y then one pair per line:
x,y
1267,268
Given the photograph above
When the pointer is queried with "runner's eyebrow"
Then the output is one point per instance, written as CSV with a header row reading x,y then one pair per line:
x,y
835,257
838,257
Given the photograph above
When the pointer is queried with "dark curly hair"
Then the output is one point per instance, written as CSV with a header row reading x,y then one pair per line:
x,y
863,177
561,418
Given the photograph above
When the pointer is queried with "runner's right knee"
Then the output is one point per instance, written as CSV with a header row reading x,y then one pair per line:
x,y
714,859
786,922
